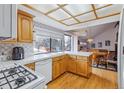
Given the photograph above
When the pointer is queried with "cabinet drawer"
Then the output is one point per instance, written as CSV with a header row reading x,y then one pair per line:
x,y
82,58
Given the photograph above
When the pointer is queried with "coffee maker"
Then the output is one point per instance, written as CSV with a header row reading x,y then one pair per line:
x,y
18,53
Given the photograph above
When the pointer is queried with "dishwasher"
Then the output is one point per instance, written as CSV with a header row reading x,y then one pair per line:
x,y
44,67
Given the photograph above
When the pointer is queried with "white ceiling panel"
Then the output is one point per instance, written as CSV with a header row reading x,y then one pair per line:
x,y
86,17
76,9
70,21
109,10
59,14
44,7
99,5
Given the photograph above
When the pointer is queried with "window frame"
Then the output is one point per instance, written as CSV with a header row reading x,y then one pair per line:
x,y
70,42
49,46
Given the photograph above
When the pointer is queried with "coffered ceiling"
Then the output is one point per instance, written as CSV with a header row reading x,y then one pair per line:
x,y
73,14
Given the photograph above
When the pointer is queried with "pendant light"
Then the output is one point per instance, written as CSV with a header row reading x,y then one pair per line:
x,y
89,39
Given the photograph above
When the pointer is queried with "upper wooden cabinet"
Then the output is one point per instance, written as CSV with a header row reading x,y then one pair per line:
x,y
25,27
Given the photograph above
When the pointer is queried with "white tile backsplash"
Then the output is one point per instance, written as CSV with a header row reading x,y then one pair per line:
x,y
7,49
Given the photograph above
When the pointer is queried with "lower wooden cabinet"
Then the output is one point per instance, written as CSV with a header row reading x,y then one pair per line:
x,y
82,68
55,69
71,63
31,66
71,66
62,66
58,66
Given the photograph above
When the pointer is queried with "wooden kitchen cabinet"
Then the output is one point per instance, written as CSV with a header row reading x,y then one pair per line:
x,y
31,66
25,27
81,67
59,66
55,69
84,66
62,66
71,64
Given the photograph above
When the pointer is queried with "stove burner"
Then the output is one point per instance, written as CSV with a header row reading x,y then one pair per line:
x,y
15,77
12,71
20,80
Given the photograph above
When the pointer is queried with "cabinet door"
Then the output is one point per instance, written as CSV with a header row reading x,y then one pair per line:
x,y
5,20
82,67
71,66
55,69
25,28
62,66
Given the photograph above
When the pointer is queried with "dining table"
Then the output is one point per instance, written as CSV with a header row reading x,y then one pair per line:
x,y
101,57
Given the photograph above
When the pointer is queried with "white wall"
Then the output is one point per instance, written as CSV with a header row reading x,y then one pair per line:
x,y
110,34
49,31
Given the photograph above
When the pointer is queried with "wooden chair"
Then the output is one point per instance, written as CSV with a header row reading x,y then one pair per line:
x,y
99,56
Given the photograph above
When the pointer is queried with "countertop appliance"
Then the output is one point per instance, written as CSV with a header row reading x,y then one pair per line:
x,y
44,67
18,53
17,76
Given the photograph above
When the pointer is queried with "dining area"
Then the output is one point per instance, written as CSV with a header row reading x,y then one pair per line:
x,y
104,59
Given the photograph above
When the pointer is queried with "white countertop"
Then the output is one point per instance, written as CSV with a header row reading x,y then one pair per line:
x,y
39,57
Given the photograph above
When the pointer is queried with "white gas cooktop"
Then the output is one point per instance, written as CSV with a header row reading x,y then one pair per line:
x,y
17,76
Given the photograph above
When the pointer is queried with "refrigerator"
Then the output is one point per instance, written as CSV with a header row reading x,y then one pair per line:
x,y
121,52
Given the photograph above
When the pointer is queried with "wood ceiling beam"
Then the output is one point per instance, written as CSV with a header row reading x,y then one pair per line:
x,y
86,12
26,5
30,7
54,9
76,15
94,10
68,13
104,6
95,19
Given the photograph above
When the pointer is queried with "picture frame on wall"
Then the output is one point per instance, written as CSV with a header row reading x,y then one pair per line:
x,y
107,43
93,45
100,44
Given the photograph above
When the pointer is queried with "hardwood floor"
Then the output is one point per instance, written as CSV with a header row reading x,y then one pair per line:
x,y
100,79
